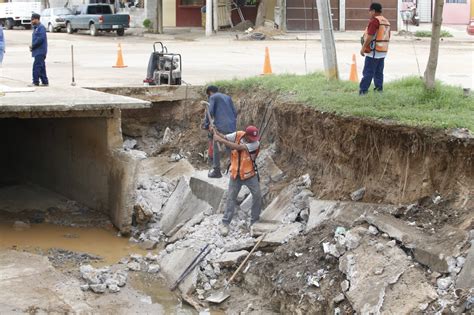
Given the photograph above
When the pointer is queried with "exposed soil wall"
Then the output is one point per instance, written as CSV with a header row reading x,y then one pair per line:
x,y
396,164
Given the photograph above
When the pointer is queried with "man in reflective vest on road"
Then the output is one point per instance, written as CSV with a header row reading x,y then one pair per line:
x,y
245,146
374,48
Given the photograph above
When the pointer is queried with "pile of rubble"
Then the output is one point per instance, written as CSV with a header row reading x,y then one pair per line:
x,y
103,279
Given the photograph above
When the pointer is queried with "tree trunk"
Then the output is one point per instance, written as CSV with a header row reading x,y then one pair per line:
x,y
261,13
430,72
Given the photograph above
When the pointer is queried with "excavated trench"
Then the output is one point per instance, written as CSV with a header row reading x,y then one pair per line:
x,y
396,165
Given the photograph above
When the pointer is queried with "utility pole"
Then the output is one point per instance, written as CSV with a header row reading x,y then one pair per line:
x,y
215,18
159,16
327,39
209,17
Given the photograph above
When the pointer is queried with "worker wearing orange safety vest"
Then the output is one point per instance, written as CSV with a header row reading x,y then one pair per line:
x,y
374,48
245,146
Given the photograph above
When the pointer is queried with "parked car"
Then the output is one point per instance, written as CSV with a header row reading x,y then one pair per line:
x,y
470,27
97,18
54,18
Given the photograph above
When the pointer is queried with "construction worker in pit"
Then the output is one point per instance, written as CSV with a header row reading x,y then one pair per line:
x,y
245,146
374,48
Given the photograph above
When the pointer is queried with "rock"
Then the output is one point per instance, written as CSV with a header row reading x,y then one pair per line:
x,y
113,288
181,207
20,226
344,285
352,240
391,243
213,282
243,193
373,230
121,277
378,271
283,234
129,144
444,283
143,213
136,257
111,282
460,261
151,257
304,215
153,268
246,205
166,136
379,247
98,288
338,298
134,266
207,287
331,249
229,259
85,287
465,278
148,244
430,250
358,194
268,168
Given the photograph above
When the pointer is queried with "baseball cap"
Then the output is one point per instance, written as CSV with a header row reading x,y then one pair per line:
x,y
252,133
35,16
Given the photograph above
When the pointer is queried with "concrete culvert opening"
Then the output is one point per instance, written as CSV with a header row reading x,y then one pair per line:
x,y
353,208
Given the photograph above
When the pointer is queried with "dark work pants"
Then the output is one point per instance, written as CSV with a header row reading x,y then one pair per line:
x,y
373,69
234,188
39,70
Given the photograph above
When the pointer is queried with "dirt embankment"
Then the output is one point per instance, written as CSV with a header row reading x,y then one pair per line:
x,y
396,164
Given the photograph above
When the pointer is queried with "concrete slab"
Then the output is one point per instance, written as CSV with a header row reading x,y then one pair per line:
x,y
267,167
260,228
277,209
229,259
283,234
174,264
430,250
181,207
66,99
344,212
211,190
466,276
162,166
370,272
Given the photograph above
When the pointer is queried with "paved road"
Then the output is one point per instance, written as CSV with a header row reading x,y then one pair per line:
x,y
205,60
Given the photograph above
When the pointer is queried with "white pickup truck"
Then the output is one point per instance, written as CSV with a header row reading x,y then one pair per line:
x,y
18,13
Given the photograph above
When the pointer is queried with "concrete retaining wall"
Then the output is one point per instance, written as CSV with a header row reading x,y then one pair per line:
x,y
77,157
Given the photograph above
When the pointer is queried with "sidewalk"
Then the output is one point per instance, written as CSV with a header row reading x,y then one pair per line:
x,y
197,34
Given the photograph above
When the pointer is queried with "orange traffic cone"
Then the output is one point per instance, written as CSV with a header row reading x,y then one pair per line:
x,y
353,74
119,63
267,67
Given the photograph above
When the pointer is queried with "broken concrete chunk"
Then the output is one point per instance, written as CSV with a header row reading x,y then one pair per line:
x,y
166,136
373,230
181,207
210,190
344,285
148,244
338,298
243,193
129,144
466,276
358,194
113,288
283,234
367,290
268,168
153,268
444,283
331,249
260,228
231,258
98,288
174,264
143,213
134,266
430,250
413,289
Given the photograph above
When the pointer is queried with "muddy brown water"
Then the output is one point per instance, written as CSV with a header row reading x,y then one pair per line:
x,y
103,242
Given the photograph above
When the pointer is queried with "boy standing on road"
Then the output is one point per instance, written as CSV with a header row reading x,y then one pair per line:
x,y
374,48
39,49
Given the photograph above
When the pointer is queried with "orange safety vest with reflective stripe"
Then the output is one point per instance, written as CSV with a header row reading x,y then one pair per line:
x,y
382,37
241,163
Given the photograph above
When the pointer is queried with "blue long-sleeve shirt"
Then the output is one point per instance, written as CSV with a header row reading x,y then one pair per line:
x,y
222,110
39,43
